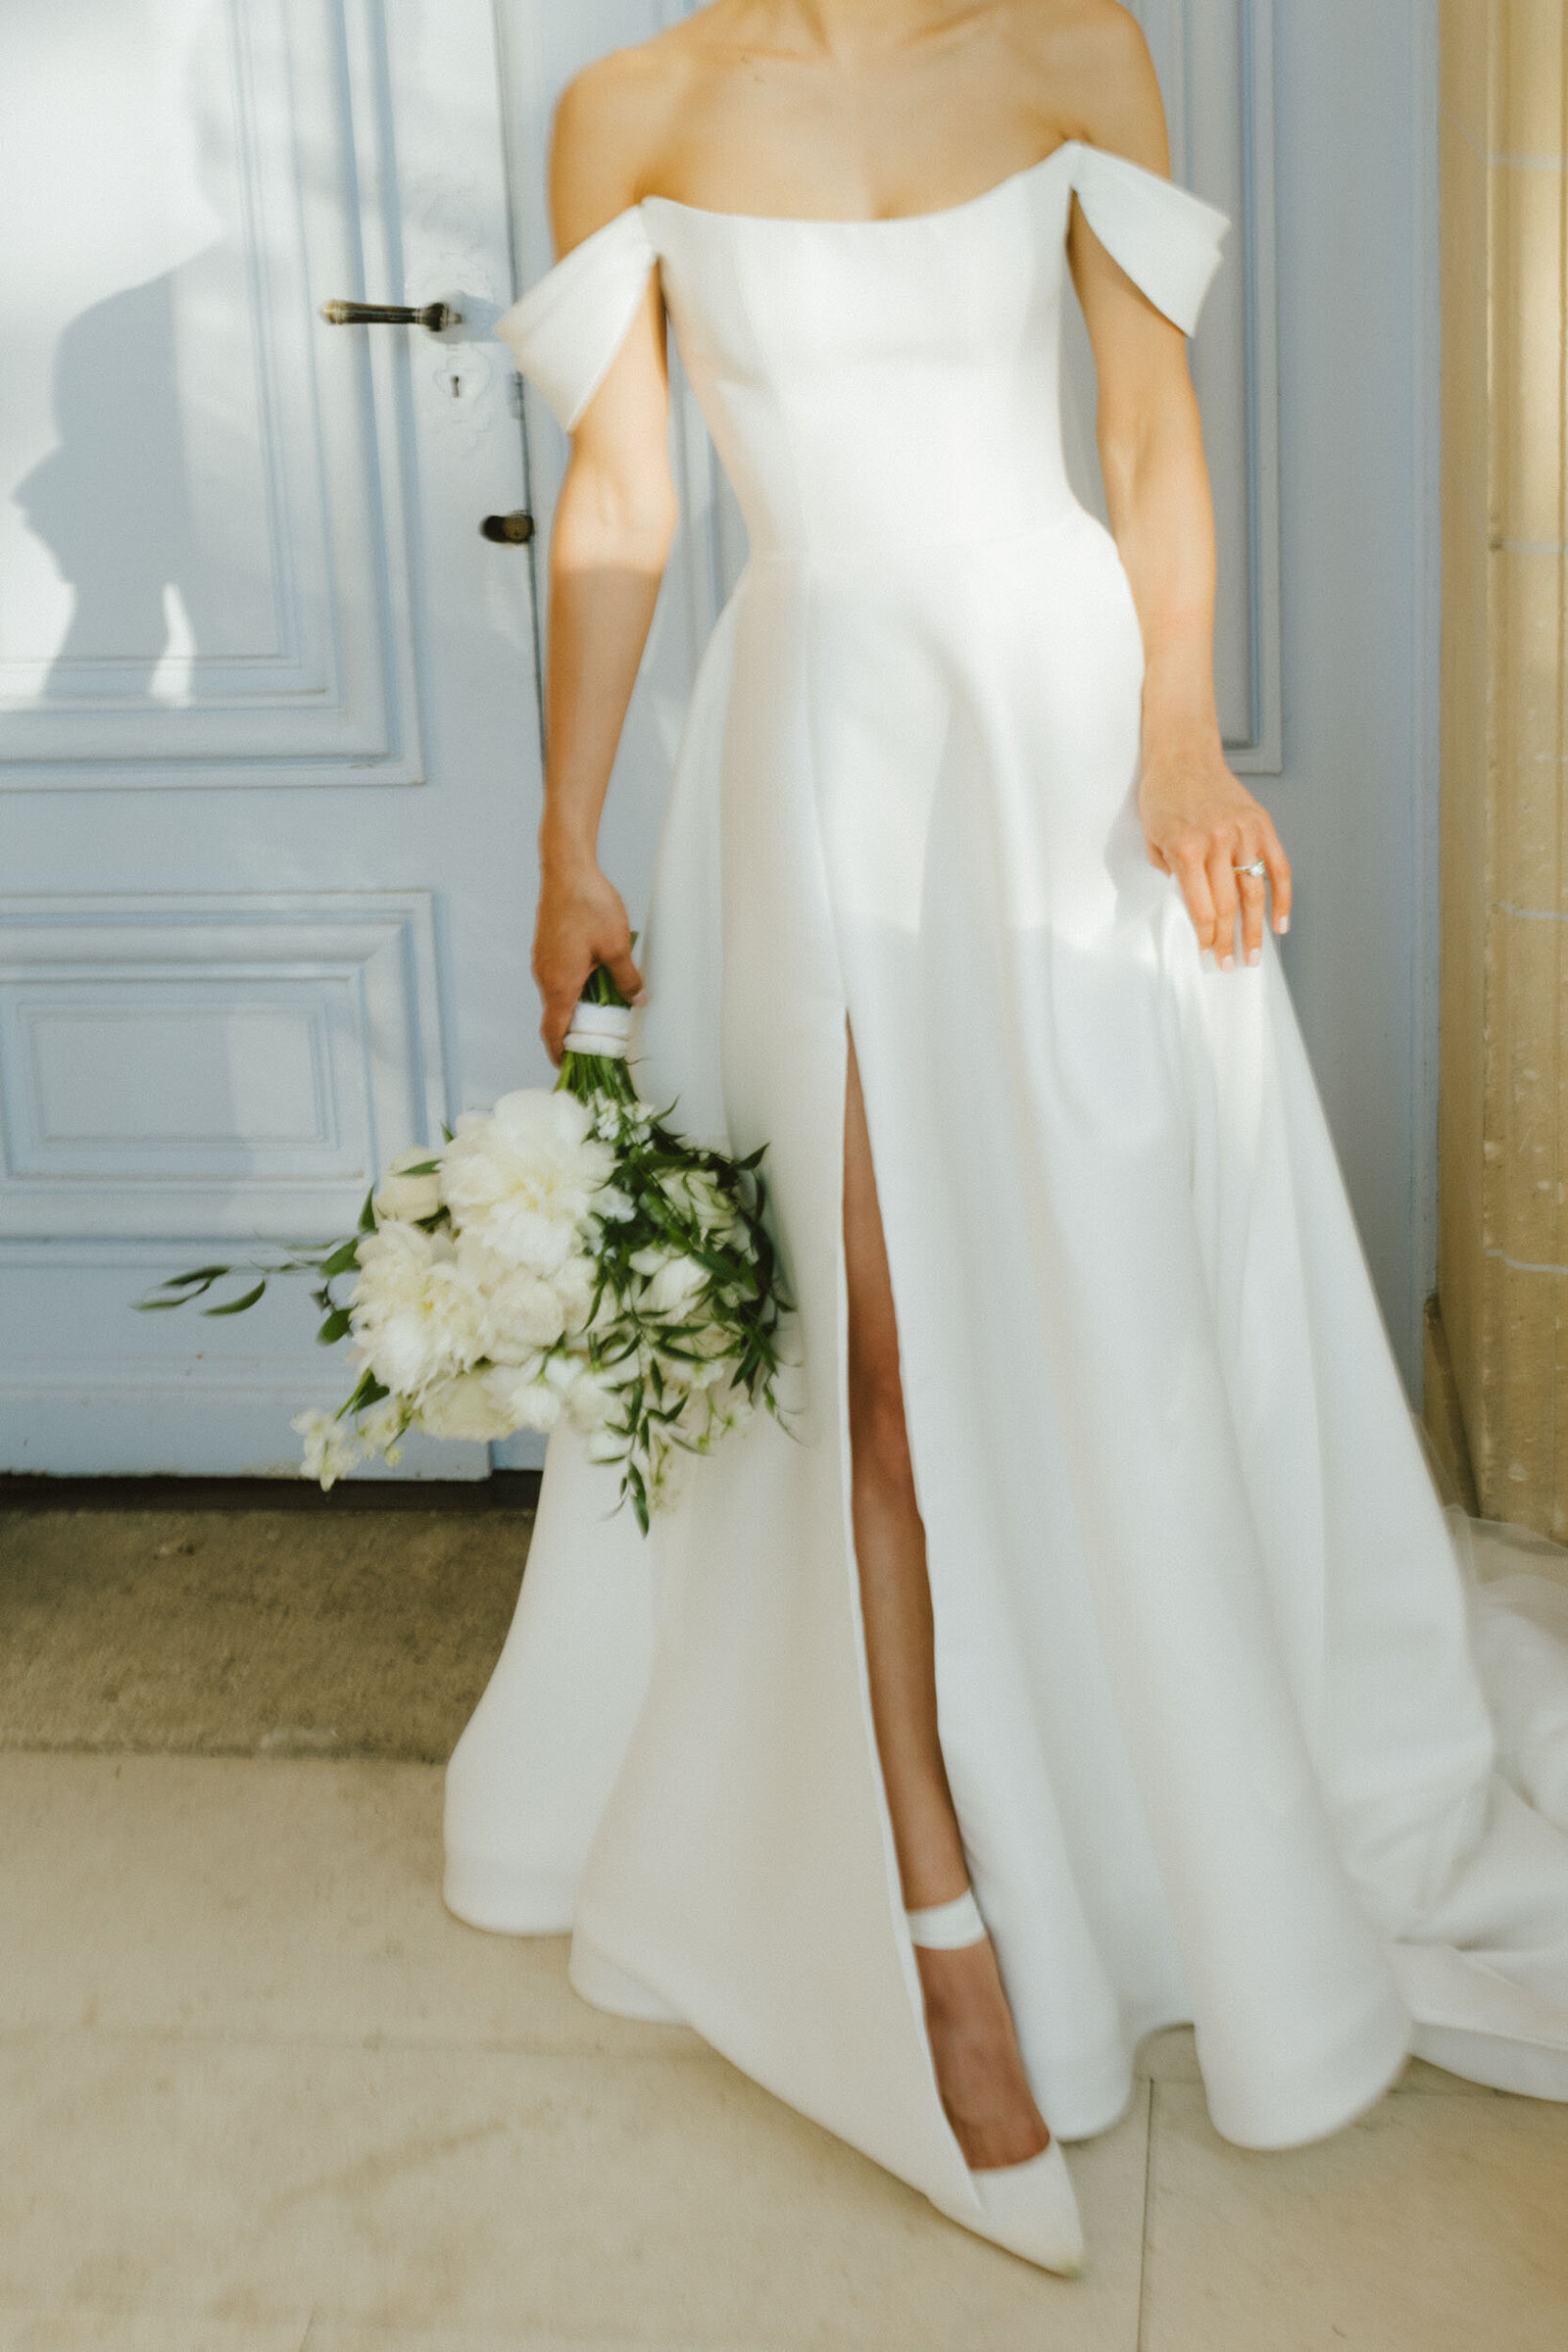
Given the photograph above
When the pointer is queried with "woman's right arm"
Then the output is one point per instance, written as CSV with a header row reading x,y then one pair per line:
x,y
614,526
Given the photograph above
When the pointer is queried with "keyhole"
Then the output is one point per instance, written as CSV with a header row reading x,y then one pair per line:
x,y
455,386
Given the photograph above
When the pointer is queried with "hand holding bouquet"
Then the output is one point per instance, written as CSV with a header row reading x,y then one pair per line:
x,y
564,1253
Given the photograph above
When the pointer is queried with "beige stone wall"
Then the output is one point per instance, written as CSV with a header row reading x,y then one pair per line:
x,y
1503,1122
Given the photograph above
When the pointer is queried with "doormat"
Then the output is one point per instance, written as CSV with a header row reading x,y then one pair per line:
x,y
252,1632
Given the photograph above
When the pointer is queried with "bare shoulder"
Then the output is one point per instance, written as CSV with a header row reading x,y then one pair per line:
x,y
1092,58
611,120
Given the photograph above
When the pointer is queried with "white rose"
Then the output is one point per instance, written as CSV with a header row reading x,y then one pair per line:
x,y
704,1418
672,1473
417,1316
526,1174
531,1400
720,1215
410,1197
466,1407
692,1193
332,1451
672,1184
592,1400
675,1285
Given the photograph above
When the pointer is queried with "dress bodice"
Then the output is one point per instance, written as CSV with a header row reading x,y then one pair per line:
x,y
871,384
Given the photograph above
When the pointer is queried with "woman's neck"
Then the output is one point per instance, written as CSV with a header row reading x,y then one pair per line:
x,y
845,29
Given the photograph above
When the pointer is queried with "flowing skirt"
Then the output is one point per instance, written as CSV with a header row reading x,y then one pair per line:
x,y
1231,1735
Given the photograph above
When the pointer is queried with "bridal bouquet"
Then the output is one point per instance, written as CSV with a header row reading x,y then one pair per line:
x,y
564,1253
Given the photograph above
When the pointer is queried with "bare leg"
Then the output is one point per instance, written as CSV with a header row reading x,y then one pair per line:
x,y
973,2043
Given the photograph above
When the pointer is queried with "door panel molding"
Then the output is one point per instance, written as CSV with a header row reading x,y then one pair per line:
x,y
222,1010
228,1066
88,1388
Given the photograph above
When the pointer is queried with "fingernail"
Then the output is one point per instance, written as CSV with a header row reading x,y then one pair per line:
x,y
1227,964
1284,923
1254,955
640,998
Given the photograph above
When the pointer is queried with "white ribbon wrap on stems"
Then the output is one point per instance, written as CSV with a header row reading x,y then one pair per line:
x,y
602,1029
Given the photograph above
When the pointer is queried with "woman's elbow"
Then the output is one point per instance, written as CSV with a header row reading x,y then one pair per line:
x,y
1142,439
625,516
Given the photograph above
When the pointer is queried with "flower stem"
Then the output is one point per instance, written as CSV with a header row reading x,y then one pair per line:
x,y
595,1077
602,1077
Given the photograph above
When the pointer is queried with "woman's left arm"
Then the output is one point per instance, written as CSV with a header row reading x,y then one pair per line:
x,y
1201,823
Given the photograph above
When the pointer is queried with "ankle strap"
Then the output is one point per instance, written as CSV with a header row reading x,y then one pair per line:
x,y
948,1927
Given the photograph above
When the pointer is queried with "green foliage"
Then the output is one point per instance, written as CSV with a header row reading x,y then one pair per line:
x,y
684,1334
685,1202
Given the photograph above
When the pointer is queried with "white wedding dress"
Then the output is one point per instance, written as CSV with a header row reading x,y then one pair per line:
x,y
1232,1738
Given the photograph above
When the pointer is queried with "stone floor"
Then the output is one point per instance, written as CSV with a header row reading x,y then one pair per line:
x,y
262,2093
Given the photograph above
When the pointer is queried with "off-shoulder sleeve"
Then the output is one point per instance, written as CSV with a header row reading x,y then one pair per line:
x,y
1165,239
569,327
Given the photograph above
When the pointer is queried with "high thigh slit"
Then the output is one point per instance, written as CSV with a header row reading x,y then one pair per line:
x,y
968,2019
1210,1706
895,1585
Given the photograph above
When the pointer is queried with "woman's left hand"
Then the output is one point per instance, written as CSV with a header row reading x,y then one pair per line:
x,y
1203,827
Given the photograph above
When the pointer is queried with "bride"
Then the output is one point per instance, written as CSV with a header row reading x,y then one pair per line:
x,y
1091,1652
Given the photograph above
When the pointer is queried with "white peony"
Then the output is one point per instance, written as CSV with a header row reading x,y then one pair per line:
x,y
523,1312
407,1197
417,1315
466,1407
331,1450
525,1175
573,1284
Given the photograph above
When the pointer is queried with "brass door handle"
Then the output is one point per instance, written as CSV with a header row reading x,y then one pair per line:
x,y
437,316
508,530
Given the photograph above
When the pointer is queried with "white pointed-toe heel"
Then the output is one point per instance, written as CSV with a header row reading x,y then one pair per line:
x,y
1028,2208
